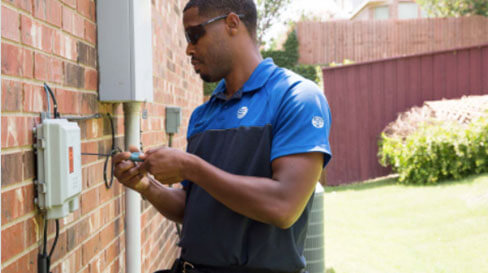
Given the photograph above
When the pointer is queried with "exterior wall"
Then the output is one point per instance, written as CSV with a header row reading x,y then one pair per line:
x,y
364,98
366,41
367,13
54,41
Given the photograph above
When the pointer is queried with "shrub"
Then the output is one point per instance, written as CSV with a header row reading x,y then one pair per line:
x,y
437,151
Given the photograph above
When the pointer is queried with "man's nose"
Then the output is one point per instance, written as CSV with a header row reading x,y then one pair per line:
x,y
190,49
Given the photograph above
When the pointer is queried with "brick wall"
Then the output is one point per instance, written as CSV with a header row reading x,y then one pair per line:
x,y
325,42
54,41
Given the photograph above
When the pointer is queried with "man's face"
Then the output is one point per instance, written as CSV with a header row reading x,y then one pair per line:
x,y
209,55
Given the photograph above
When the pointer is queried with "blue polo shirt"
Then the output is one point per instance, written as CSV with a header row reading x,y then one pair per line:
x,y
276,113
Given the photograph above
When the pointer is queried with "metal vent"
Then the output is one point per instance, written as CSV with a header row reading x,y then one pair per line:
x,y
314,242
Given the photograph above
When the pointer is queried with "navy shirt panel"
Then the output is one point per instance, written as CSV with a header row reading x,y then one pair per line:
x,y
276,113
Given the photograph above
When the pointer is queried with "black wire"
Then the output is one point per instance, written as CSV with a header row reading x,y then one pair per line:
x,y
109,156
48,89
55,239
114,150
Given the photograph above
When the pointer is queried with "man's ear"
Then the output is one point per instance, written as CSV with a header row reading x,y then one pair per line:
x,y
232,24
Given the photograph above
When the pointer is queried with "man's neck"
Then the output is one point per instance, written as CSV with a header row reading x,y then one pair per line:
x,y
244,66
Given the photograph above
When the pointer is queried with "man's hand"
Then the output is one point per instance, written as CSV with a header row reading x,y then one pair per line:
x,y
166,164
129,173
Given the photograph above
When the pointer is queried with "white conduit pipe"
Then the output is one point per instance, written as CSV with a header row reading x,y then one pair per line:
x,y
132,111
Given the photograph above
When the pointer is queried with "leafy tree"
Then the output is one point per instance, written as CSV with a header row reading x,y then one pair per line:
x,y
269,12
447,8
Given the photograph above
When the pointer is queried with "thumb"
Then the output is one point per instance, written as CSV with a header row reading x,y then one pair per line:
x,y
133,149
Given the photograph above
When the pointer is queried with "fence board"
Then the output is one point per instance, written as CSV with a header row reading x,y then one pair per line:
x,y
365,97
360,41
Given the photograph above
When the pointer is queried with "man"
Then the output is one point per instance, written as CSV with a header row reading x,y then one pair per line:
x,y
255,152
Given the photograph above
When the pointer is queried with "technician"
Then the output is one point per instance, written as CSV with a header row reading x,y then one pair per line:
x,y
255,152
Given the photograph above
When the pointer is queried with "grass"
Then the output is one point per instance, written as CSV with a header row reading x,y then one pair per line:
x,y
386,227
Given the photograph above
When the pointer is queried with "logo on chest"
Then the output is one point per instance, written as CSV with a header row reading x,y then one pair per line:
x,y
318,122
242,112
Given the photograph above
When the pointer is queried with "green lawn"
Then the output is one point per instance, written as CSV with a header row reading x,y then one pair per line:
x,y
386,227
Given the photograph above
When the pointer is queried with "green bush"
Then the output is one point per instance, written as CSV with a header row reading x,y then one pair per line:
x,y
436,152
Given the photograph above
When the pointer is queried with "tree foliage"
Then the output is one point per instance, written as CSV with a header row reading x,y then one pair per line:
x,y
269,12
286,58
450,8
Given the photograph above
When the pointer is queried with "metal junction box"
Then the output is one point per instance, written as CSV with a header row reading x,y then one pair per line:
x,y
58,167
173,119
125,50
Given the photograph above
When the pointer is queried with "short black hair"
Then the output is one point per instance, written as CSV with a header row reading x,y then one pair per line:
x,y
210,8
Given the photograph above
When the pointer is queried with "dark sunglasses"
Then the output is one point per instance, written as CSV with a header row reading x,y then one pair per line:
x,y
194,33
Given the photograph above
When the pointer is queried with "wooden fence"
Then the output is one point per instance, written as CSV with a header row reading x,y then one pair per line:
x,y
365,97
325,42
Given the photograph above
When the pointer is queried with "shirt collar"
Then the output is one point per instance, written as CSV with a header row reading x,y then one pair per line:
x,y
258,79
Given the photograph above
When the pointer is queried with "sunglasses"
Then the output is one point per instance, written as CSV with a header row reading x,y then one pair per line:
x,y
194,33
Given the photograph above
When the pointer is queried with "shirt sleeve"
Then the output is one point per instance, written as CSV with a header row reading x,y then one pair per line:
x,y
302,123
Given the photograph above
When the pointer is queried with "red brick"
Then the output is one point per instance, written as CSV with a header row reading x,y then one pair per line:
x,y
26,263
109,232
28,31
13,240
22,4
89,147
48,68
30,227
91,248
11,96
90,32
79,26
17,61
35,99
94,129
87,8
42,67
29,165
29,124
89,201
68,101
91,79
106,194
56,74
74,75
12,59
64,45
14,131
60,250
39,9
36,34
17,203
28,63
47,39
11,168
53,12
89,103
68,19
71,3
10,24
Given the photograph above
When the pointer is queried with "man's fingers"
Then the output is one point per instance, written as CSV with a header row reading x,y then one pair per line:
x,y
133,149
153,150
121,157
129,175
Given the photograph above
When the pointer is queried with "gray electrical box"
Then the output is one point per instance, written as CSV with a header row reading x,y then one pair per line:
x,y
58,146
125,50
173,119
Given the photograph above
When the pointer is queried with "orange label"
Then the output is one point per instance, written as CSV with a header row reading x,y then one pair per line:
x,y
71,161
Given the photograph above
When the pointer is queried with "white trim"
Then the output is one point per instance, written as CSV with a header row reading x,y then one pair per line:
x,y
365,4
